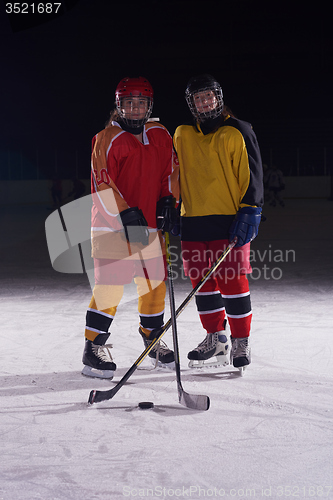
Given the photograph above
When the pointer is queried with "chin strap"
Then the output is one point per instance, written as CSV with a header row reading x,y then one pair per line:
x,y
131,130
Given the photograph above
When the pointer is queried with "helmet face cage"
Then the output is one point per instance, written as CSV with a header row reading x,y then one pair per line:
x,y
138,89
198,99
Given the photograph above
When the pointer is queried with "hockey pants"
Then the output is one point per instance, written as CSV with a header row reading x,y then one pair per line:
x,y
226,293
106,298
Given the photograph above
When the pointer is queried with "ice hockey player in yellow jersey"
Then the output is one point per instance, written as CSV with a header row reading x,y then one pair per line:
x,y
221,187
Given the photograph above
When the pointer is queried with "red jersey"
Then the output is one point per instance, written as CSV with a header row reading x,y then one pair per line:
x,y
127,173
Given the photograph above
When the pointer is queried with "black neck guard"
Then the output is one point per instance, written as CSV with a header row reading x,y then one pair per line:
x,y
211,124
131,130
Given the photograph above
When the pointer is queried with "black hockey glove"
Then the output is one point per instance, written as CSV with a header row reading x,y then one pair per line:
x,y
166,214
245,225
135,225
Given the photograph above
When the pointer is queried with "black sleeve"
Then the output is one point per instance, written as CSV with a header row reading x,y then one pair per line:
x,y
255,192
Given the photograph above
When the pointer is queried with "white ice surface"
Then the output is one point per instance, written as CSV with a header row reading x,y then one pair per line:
x,y
268,434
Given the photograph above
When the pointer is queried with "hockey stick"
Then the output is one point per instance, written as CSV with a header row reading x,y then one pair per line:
x,y
98,396
196,402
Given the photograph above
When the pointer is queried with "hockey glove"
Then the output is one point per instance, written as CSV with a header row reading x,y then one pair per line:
x,y
245,225
166,214
135,225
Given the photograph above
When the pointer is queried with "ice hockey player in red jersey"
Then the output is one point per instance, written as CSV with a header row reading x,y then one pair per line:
x,y
132,173
221,189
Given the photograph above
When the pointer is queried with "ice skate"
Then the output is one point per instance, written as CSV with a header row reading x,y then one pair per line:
x,y
162,355
215,344
240,355
97,358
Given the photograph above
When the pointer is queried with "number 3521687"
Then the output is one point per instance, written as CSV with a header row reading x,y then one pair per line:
x,y
32,8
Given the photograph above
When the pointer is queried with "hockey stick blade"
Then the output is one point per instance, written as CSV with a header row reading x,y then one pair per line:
x,y
99,396
194,401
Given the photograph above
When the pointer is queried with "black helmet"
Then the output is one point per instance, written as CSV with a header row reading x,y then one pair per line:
x,y
204,84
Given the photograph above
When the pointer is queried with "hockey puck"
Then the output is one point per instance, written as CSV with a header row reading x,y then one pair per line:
x,y
146,405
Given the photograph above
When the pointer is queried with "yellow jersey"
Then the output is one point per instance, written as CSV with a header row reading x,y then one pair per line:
x,y
220,172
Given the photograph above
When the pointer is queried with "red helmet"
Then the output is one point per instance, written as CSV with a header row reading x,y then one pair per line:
x,y
134,87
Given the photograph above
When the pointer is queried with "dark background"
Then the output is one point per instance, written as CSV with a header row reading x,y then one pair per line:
x,y
273,60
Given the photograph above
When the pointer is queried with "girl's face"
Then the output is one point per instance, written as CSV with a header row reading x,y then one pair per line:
x,y
205,101
134,108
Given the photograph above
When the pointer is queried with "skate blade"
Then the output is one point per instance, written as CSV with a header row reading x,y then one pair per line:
x,y
164,366
221,360
88,371
241,370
